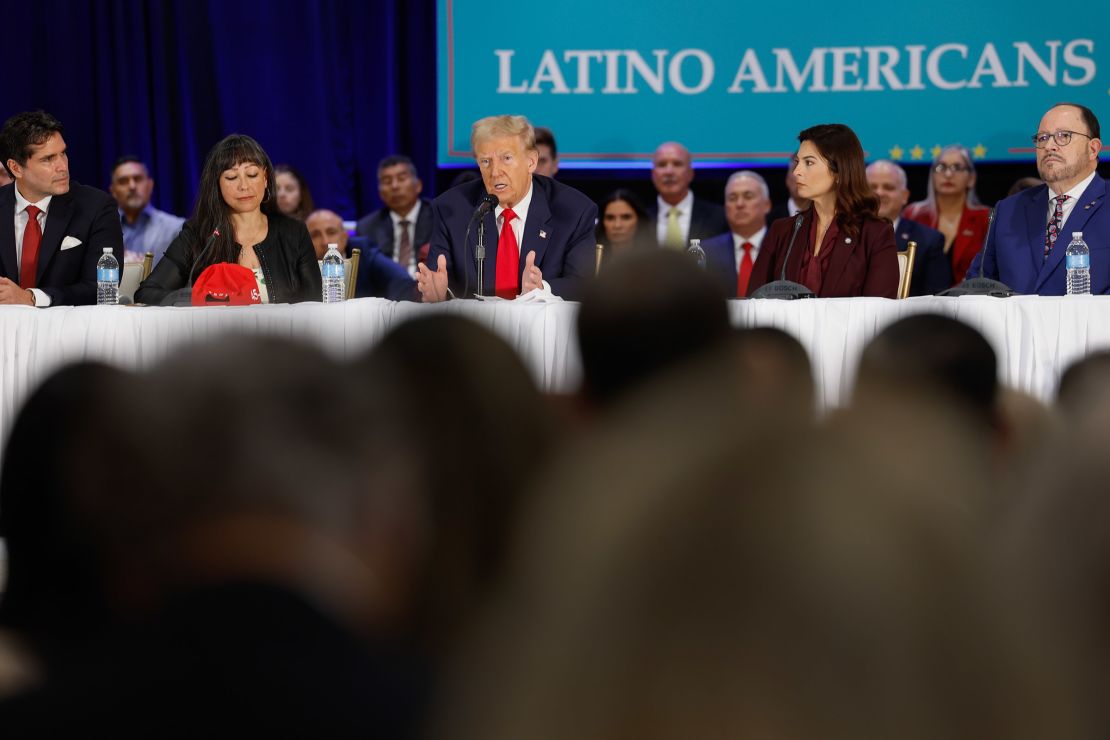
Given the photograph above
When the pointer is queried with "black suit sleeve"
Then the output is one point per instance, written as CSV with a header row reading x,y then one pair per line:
x,y
104,231
578,265
306,268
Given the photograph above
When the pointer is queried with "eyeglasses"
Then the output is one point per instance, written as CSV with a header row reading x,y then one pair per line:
x,y
1063,138
950,169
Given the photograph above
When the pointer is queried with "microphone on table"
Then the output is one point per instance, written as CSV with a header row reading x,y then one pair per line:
x,y
184,296
982,285
488,201
782,288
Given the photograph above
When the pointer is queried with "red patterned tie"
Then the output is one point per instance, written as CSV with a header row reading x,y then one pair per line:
x,y
507,279
1054,224
32,237
745,270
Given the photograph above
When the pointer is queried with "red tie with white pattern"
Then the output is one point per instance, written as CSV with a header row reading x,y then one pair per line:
x,y
507,278
745,274
32,238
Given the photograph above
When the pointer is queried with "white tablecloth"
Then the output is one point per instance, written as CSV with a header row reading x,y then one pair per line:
x,y
1035,338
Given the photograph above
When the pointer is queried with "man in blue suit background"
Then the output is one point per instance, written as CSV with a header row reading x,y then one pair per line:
x,y
539,235
729,257
1025,249
932,272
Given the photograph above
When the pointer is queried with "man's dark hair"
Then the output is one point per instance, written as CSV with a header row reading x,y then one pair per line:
x,y
1088,116
544,135
395,159
127,159
23,131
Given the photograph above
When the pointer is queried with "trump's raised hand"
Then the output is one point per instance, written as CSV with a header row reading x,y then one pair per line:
x,y
532,277
432,285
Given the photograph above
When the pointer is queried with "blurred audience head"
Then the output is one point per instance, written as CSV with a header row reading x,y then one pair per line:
x,y
774,371
672,171
398,184
326,227
648,312
1024,183
293,197
747,202
547,162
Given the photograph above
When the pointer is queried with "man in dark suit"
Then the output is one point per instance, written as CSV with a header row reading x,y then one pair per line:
x,y
539,235
401,229
730,257
679,215
1025,249
932,272
48,253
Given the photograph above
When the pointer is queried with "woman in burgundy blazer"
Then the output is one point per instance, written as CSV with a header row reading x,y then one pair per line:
x,y
841,247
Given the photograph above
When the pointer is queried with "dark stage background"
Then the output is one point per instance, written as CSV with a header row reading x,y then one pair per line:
x,y
330,87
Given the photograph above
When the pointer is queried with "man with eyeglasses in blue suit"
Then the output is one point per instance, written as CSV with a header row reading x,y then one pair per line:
x,y
1025,249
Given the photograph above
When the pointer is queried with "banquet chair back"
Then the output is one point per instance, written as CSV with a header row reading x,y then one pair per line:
x,y
350,267
133,274
905,269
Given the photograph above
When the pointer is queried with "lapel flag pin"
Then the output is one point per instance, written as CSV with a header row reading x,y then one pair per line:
x,y
543,234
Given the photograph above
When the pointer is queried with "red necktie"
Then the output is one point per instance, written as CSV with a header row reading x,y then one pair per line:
x,y
507,279
32,237
745,270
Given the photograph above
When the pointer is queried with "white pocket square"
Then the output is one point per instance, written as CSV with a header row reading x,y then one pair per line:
x,y
70,242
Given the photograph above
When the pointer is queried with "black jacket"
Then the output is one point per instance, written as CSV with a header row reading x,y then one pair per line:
x,y
286,256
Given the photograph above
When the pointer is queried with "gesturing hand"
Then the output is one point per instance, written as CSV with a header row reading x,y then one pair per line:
x,y
532,277
432,285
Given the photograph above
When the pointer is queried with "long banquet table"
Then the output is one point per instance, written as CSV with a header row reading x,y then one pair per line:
x,y
1035,337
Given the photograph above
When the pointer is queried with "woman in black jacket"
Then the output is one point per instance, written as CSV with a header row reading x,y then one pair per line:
x,y
236,220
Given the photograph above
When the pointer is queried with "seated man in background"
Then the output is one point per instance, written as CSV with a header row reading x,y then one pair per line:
x,y
539,235
730,256
402,227
679,215
1025,248
547,163
378,275
145,228
59,229
932,272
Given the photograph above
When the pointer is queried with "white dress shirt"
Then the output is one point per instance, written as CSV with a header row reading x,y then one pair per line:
x,y
411,217
756,240
517,224
1073,199
21,217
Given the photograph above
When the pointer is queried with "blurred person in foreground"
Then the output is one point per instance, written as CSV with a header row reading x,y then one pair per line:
x,y
646,313
721,589
839,247
539,234
237,221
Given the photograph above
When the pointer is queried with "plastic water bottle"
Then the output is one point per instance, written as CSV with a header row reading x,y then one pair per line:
x,y
1078,262
334,275
107,279
696,252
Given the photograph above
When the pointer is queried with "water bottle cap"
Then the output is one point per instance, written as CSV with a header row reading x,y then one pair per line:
x,y
107,250
1077,235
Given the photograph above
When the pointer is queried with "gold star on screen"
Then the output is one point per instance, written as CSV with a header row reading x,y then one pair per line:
x,y
917,153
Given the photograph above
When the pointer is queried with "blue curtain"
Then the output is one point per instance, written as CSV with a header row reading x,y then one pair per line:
x,y
329,87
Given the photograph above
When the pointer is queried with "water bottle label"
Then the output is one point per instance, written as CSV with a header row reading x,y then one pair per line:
x,y
107,275
332,271
1078,261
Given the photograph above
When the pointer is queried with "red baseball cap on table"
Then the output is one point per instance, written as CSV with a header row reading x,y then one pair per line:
x,y
226,284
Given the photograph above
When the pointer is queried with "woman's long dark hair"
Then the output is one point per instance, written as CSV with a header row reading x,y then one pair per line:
x,y
839,146
212,212
306,206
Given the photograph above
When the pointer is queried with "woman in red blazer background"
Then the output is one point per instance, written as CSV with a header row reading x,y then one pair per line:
x,y
842,247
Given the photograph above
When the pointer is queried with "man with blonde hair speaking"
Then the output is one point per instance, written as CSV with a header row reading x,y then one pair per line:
x,y
540,233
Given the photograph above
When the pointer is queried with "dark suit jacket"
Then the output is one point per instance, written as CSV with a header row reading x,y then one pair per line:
x,y
379,276
1014,252
932,271
377,227
559,229
706,219
68,276
865,266
720,262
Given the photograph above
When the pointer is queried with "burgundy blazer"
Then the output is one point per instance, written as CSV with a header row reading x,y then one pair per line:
x,y
864,266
